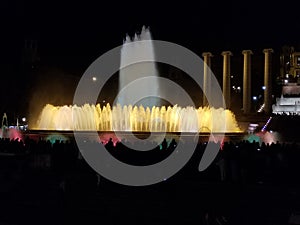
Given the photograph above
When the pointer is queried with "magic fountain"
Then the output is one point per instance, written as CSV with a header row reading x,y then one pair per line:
x,y
147,116
134,118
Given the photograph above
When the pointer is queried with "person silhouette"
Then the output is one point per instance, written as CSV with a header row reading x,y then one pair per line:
x,y
164,144
109,145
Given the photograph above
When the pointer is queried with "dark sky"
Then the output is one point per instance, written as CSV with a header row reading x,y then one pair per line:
x,y
86,27
72,34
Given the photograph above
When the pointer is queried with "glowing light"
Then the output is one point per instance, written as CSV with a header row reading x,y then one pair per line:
x,y
263,87
56,137
11,133
134,118
261,108
252,127
253,138
268,137
265,126
94,79
24,119
254,98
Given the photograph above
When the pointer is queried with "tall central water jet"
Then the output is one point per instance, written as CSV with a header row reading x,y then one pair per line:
x,y
134,50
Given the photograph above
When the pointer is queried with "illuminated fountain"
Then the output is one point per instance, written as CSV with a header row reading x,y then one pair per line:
x,y
135,49
144,116
129,118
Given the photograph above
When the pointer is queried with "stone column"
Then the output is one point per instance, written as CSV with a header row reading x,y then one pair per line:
x,y
267,80
226,77
206,76
247,81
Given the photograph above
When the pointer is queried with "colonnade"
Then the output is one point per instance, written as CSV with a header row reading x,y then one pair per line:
x,y
207,73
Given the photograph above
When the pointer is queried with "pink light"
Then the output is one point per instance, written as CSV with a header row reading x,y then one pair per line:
x,y
12,134
104,138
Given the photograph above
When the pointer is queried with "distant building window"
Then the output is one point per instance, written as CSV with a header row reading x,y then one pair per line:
x,y
298,60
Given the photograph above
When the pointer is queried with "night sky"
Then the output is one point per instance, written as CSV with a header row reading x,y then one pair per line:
x,y
71,35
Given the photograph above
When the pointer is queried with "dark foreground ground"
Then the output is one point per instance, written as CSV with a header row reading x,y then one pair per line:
x,y
32,195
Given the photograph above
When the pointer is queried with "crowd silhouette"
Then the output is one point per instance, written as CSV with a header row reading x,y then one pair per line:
x,y
236,162
58,170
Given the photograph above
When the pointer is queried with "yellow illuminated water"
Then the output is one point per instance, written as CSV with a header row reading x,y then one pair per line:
x,y
137,118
